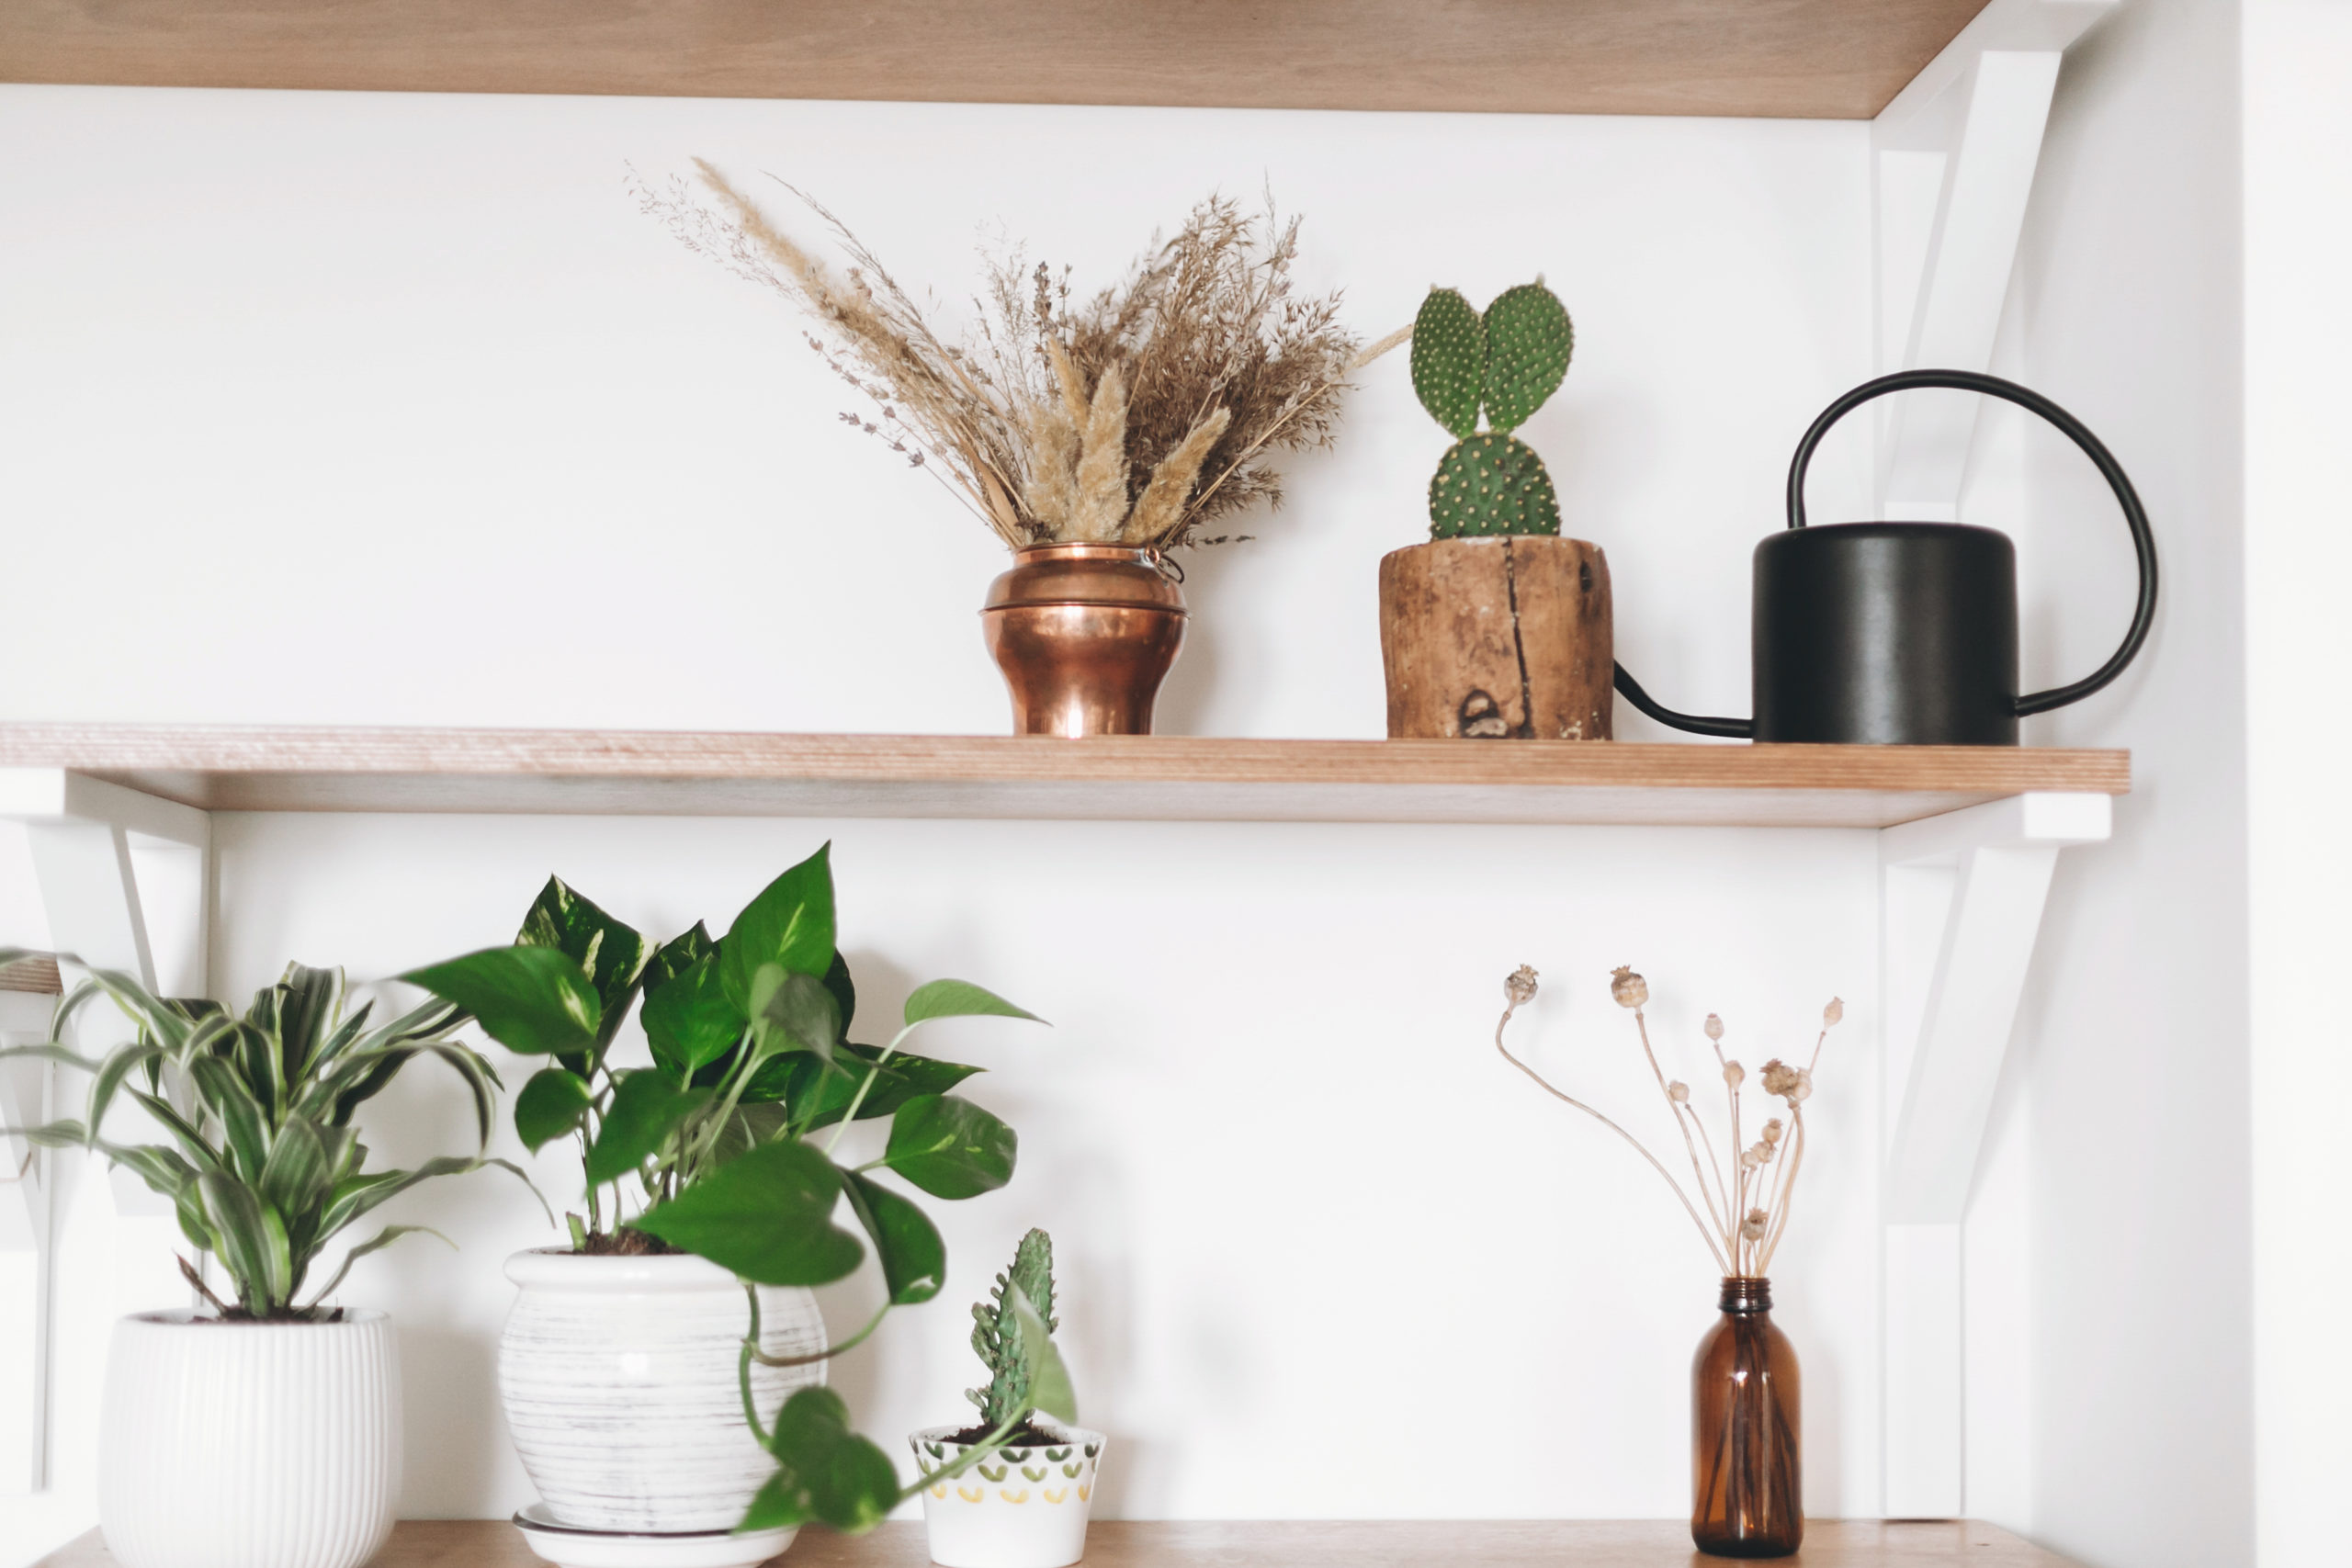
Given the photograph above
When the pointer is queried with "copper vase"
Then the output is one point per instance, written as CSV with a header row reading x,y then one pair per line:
x,y
1746,1481
1084,634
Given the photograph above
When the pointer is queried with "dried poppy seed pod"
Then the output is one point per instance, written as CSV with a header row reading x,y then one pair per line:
x,y
1629,988
1803,1090
1752,1227
1679,1092
1834,1014
1779,1078
1772,1131
1714,1026
1520,985
1734,1073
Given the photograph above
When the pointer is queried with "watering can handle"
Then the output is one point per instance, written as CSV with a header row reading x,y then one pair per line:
x,y
2143,543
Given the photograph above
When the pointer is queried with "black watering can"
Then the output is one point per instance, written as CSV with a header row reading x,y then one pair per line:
x,y
1902,634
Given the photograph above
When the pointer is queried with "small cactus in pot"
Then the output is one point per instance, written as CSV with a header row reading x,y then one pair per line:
x,y
1503,364
1497,627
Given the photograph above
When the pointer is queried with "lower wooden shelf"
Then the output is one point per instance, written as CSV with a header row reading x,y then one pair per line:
x,y
1639,1543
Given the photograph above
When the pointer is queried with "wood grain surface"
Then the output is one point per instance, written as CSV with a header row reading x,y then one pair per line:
x,y
1110,777
1814,58
1644,1543
37,975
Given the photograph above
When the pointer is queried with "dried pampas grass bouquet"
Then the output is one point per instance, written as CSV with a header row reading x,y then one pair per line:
x,y
1138,416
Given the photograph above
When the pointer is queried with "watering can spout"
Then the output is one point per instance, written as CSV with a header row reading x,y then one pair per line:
x,y
1903,633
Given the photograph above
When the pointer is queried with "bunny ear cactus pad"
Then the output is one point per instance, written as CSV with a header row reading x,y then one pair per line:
x,y
1492,484
1450,361
1528,343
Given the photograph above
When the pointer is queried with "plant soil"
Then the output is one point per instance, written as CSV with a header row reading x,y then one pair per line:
x,y
1024,1436
624,1243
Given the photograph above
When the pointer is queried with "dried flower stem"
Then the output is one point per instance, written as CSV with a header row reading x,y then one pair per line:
x,y
1748,1204
1643,1149
1681,1126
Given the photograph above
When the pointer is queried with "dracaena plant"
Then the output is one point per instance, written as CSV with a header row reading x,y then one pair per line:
x,y
724,1146
263,1166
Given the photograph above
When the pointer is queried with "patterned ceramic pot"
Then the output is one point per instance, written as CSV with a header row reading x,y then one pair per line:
x,y
1025,1509
249,1445
619,1376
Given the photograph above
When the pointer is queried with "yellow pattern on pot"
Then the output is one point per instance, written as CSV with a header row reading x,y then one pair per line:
x,y
1020,1508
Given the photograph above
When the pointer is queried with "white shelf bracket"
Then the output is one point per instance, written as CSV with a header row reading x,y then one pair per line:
x,y
26,1214
1961,908
88,839
1953,157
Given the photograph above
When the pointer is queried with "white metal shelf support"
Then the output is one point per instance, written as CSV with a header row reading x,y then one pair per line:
x,y
86,838
1954,154
1966,889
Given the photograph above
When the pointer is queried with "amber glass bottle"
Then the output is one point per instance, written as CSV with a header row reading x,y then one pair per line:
x,y
1746,1479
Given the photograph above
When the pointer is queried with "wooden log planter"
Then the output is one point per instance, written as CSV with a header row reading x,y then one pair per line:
x,y
1502,637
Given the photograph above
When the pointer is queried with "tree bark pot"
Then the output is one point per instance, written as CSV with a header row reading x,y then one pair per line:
x,y
1504,638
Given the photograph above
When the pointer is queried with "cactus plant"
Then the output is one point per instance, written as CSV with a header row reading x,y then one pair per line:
x,y
1505,363
1012,1334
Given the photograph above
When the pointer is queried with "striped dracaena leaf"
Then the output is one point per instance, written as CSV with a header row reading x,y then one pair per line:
x,y
251,1243
310,1004
201,1151
224,1094
377,1243
297,1180
354,1198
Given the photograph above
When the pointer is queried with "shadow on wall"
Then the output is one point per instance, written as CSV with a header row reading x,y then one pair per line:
x,y
443,1459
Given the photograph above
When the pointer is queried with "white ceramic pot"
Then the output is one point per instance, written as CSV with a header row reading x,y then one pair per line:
x,y
1024,1508
249,1445
619,1376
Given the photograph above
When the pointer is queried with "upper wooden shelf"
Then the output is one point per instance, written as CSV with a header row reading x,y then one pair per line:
x,y
1639,1543
1129,777
1803,59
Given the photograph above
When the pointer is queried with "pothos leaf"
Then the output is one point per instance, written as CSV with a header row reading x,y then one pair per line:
x,y
648,1105
824,1471
549,1106
789,924
914,1259
766,1215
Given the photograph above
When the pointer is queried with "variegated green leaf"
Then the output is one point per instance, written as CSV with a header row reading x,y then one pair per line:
x,y
353,1199
193,1144
224,1094
310,1004
689,1022
550,1106
611,954
297,1180
533,1000
790,925
647,1106
250,1241
377,1243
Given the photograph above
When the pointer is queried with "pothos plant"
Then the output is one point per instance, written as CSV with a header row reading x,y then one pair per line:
x,y
264,1168
715,1148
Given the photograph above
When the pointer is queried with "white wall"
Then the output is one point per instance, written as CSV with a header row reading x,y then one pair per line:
x,y
2298,643
351,408
2130,1058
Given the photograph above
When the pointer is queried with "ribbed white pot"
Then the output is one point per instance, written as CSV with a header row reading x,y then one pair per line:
x,y
249,1445
619,1375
